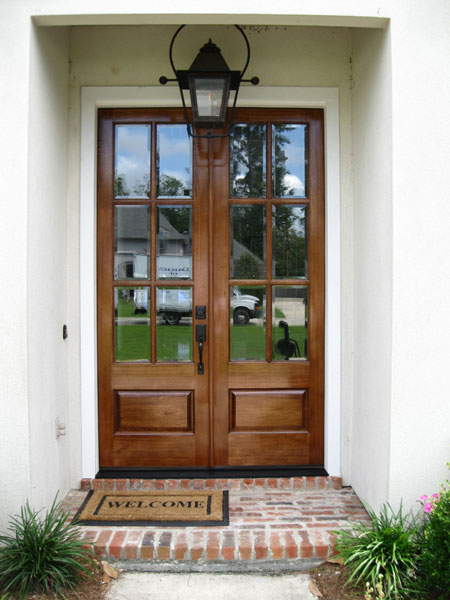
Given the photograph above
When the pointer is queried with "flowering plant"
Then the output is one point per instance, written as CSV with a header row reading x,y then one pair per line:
x,y
429,502
433,564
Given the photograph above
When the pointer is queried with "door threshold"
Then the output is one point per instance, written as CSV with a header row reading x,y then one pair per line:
x,y
210,473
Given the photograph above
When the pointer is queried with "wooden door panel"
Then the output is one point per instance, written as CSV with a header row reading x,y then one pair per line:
x,y
162,411
269,410
269,448
177,450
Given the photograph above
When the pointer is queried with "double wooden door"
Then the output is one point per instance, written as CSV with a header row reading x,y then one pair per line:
x,y
210,290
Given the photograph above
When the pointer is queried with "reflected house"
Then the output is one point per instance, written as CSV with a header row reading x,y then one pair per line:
x,y
174,251
132,247
245,262
132,236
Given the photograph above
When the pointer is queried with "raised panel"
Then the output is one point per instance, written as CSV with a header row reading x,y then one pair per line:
x,y
269,410
247,448
154,411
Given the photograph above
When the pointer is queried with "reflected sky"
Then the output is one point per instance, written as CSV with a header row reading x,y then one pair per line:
x,y
289,172
132,161
174,161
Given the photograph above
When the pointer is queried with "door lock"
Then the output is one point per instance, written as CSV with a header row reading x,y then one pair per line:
x,y
200,337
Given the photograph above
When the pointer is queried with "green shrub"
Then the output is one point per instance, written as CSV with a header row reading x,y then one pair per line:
x,y
386,547
42,555
433,572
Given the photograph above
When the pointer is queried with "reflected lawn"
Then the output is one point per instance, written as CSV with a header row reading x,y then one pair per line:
x,y
248,342
174,342
132,342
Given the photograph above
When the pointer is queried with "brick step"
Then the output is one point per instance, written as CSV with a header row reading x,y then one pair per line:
x,y
268,483
271,521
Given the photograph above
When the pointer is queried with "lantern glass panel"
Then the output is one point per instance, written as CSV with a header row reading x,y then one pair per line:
x,y
210,97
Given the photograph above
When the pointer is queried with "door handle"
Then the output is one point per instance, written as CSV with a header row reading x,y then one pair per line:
x,y
200,337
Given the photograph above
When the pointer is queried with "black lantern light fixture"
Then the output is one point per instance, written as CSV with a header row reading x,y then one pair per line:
x,y
209,81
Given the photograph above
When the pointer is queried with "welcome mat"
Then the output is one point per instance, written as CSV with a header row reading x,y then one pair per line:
x,y
187,508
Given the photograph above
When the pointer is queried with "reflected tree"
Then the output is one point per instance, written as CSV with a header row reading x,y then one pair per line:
x,y
120,186
289,241
170,186
279,168
248,161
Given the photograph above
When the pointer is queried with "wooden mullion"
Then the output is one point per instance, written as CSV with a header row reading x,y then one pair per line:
x,y
269,245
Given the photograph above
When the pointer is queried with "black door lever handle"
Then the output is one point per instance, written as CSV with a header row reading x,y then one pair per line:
x,y
200,337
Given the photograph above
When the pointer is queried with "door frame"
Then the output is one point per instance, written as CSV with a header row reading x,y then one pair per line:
x,y
93,98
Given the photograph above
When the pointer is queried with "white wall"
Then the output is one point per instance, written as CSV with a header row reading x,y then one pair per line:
x,y
14,442
420,417
372,265
46,274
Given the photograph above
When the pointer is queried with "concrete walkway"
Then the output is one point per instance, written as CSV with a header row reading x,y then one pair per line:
x,y
204,586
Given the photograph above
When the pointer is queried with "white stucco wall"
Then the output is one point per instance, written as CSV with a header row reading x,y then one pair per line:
x,y
14,442
48,390
420,415
372,265
395,151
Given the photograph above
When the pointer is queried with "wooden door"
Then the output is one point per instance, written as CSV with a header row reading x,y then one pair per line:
x,y
223,234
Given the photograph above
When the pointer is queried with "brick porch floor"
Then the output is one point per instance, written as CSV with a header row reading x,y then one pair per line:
x,y
270,520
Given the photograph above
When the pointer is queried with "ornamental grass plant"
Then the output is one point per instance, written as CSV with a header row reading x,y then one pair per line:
x,y
382,554
42,554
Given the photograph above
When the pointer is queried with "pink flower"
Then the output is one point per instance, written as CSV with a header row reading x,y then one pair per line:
x,y
423,498
428,507
436,497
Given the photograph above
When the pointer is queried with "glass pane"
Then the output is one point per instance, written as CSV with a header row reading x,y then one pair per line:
x,y
131,242
132,324
174,252
174,162
290,322
248,242
132,161
248,161
289,161
248,322
289,243
210,95
174,329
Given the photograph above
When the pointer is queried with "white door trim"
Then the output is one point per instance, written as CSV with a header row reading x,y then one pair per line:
x,y
93,98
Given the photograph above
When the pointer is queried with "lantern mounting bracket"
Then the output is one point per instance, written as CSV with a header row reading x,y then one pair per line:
x,y
208,67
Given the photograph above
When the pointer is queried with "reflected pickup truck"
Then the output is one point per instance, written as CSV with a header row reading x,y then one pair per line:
x,y
173,304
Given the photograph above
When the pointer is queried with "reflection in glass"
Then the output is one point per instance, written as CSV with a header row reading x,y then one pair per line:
x,y
248,161
247,322
132,161
132,324
174,252
174,162
131,242
174,329
289,322
289,244
248,241
289,161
